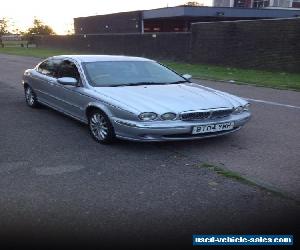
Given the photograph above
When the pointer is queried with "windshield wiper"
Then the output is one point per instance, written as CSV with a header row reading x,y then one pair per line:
x,y
138,84
182,81
146,83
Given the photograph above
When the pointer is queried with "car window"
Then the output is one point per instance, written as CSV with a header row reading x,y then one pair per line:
x,y
49,67
68,69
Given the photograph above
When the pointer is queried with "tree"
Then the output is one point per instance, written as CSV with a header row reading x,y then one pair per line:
x,y
3,26
39,28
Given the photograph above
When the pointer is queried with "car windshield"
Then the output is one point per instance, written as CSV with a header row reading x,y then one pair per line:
x,y
129,73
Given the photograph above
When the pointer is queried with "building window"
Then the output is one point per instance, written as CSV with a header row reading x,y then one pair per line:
x,y
239,3
283,3
261,3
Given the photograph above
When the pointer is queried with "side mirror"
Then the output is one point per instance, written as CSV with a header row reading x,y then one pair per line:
x,y
67,81
187,77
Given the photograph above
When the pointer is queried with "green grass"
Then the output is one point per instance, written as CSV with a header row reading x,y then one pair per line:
x,y
227,173
280,80
237,177
36,52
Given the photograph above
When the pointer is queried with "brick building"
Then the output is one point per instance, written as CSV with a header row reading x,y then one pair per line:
x,y
173,19
257,3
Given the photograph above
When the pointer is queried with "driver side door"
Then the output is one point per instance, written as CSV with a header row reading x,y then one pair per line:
x,y
74,99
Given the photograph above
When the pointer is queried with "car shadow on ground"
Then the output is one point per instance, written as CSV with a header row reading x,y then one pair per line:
x,y
143,145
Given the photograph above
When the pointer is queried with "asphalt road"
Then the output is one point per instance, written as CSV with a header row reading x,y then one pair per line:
x,y
58,185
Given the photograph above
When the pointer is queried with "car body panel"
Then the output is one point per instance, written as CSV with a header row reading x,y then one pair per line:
x,y
124,104
168,98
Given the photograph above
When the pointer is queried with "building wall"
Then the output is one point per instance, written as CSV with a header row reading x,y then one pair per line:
x,y
175,46
166,25
243,3
223,3
124,22
261,44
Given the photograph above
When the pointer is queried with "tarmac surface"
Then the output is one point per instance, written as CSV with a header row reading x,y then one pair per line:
x,y
57,183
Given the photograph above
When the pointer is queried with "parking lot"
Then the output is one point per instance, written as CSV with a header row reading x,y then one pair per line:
x,y
55,181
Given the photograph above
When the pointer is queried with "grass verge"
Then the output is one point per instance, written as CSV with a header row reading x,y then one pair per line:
x,y
237,177
279,80
36,52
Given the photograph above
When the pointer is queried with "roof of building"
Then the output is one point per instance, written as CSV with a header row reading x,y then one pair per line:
x,y
219,11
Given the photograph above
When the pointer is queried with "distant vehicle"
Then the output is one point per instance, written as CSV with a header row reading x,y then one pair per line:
x,y
132,98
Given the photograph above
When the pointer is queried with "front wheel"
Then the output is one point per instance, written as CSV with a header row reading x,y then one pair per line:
x,y
101,128
30,97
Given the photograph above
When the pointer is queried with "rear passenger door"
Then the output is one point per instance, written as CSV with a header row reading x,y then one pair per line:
x,y
46,80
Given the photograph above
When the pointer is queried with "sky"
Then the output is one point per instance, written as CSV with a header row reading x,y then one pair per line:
x,y
59,14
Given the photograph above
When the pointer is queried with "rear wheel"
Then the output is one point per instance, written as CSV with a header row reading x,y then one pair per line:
x,y
100,127
30,97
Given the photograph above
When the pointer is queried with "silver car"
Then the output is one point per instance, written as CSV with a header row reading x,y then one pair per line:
x,y
132,98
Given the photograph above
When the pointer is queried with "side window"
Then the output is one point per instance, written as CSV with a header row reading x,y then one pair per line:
x,y
49,67
68,69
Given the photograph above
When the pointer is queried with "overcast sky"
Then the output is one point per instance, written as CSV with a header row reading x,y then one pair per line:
x,y
59,14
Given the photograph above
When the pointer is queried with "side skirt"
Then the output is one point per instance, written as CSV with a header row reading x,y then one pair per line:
x,y
63,112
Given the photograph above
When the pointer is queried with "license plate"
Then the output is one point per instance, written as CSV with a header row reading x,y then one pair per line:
x,y
211,128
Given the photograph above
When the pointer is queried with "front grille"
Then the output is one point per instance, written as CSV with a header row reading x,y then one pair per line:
x,y
221,113
195,116
202,115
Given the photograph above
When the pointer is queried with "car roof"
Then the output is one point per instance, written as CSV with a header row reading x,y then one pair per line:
x,y
97,58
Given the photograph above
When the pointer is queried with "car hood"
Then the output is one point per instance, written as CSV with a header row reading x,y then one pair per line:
x,y
170,97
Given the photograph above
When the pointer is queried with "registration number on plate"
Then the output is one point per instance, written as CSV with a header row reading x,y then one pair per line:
x,y
212,128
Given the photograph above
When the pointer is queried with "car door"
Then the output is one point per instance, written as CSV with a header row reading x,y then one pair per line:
x,y
74,99
43,80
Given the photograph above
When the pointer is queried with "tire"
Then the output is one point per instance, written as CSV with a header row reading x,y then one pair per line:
x,y
30,97
101,128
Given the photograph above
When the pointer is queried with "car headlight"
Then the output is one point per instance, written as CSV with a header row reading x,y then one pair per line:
x,y
241,109
238,110
148,116
246,107
168,116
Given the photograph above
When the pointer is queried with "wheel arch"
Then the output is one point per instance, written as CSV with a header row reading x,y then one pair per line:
x,y
96,106
26,84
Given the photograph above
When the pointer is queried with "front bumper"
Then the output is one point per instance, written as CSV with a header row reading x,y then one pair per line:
x,y
172,130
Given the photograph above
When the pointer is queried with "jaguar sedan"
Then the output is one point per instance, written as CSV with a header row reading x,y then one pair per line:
x,y
132,98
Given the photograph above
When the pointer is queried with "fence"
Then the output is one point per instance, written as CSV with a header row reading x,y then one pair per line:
x,y
263,44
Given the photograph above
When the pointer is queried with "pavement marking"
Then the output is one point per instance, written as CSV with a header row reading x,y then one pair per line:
x,y
61,169
7,167
273,103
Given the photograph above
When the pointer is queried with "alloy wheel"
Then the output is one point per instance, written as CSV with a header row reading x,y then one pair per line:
x,y
99,126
